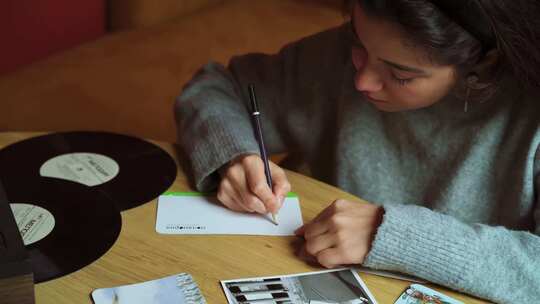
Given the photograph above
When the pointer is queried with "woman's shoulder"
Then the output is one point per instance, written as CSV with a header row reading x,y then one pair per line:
x,y
530,97
328,50
322,47
338,32
330,41
525,103
519,94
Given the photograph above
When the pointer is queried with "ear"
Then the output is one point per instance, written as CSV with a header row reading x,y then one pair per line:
x,y
488,63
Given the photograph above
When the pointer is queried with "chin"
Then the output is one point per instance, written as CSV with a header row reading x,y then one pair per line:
x,y
385,107
389,107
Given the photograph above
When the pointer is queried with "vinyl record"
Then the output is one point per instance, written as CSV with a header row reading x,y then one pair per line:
x,y
63,228
128,170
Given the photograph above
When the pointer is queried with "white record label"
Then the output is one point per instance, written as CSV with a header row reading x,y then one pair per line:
x,y
89,169
33,221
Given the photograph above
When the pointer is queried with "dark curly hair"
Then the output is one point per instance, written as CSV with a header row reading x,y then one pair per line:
x,y
461,32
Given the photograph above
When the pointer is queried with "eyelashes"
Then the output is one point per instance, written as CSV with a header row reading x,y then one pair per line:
x,y
401,81
359,58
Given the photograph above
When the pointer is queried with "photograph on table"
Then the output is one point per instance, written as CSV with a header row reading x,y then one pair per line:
x,y
419,294
178,289
342,286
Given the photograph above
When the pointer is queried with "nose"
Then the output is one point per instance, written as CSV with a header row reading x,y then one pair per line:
x,y
366,78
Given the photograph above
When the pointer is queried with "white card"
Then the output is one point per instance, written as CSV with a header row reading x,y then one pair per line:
x,y
195,213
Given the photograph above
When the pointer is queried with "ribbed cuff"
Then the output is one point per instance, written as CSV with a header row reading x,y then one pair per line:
x,y
415,240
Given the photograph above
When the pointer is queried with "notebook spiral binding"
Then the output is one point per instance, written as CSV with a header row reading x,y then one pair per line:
x,y
189,287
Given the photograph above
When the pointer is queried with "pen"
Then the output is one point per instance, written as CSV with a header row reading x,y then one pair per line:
x,y
258,134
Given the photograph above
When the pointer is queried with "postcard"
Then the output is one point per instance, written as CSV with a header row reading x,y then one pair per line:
x,y
197,213
420,294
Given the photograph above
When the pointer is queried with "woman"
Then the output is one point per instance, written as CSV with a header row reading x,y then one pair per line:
x,y
426,109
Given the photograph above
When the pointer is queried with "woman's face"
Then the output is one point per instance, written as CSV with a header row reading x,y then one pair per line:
x,y
390,72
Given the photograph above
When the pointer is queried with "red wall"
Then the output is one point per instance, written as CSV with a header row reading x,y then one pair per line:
x,y
33,29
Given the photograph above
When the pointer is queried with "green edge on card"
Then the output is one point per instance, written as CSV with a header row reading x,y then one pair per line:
x,y
174,193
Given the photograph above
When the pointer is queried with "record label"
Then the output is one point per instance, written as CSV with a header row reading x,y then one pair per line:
x,y
34,222
89,169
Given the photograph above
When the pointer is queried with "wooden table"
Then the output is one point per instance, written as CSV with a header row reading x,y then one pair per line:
x,y
141,254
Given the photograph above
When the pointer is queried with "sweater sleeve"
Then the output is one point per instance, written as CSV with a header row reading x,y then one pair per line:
x,y
490,262
213,122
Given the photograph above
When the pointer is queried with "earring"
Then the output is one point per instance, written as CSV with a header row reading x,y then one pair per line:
x,y
473,84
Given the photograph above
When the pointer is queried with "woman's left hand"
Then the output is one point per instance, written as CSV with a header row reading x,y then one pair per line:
x,y
341,234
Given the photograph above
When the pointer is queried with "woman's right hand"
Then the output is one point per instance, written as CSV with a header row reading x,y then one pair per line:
x,y
244,188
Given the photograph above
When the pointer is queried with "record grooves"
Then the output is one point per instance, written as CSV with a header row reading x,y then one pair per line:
x,y
145,170
86,225
82,180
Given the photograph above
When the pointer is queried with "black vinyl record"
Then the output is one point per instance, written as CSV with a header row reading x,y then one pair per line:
x,y
86,225
144,169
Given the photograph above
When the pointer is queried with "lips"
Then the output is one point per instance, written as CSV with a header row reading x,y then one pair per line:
x,y
373,99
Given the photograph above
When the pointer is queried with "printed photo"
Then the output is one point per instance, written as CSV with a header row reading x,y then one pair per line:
x,y
342,286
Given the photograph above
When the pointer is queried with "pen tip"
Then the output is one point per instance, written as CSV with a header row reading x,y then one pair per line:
x,y
274,219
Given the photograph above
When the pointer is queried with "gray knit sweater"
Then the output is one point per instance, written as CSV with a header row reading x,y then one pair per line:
x,y
458,188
